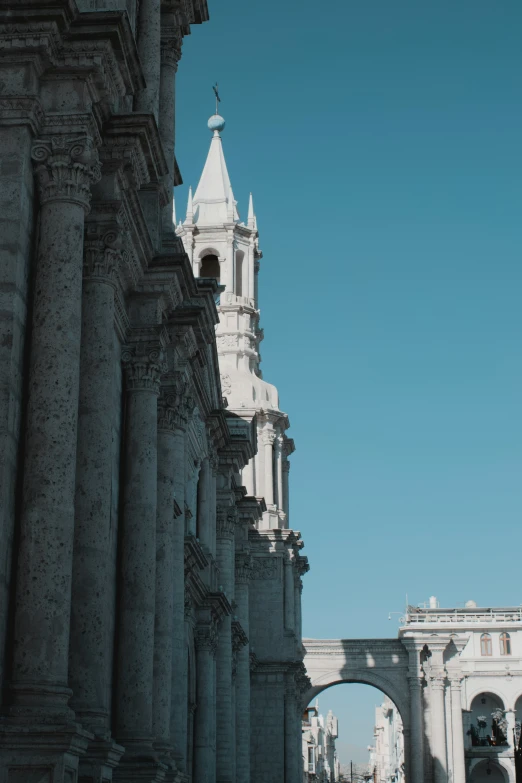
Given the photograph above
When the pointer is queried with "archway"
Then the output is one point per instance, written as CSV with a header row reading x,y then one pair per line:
x,y
368,733
489,771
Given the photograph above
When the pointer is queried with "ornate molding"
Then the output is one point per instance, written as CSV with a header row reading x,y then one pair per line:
x,y
103,251
264,568
65,168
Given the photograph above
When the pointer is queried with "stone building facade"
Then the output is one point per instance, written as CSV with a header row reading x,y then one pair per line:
x,y
224,248
149,590
320,761
386,764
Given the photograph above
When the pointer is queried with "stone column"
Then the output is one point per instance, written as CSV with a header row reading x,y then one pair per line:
x,y
510,718
291,730
92,610
268,440
286,491
167,561
229,281
298,590
459,764
203,507
142,363
279,471
149,49
416,684
170,55
289,596
243,569
438,725
226,522
205,640
260,467
65,167
251,274
178,720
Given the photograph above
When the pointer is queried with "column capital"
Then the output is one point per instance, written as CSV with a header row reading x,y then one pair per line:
x,y
243,567
268,437
206,638
65,167
171,43
226,520
175,404
103,251
143,365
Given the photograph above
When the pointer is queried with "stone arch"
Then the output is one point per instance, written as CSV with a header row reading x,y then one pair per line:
x,y
208,251
363,677
503,764
485,689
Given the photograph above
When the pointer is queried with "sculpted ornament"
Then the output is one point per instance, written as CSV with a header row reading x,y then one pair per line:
x,y
206,638
264,568
269,437
226,520
226,384
65,168
102,254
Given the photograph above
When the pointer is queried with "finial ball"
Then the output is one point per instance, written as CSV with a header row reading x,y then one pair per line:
x,y
216,123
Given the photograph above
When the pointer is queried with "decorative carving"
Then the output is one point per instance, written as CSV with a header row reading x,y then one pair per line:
x,y
264,568
268,437
65,168
226,520
227,340
175,405
226,384
103,245
243,568
143,364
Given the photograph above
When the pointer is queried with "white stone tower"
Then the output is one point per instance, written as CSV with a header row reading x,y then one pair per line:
x,y
219,245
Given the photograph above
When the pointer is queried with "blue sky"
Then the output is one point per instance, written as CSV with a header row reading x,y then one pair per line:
x,y
382,142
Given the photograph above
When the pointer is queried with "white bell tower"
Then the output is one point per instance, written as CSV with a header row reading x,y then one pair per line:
x,y
219,245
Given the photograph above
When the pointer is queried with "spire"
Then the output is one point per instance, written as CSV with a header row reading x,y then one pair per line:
x,y
213,193
190,208
251,217
230,206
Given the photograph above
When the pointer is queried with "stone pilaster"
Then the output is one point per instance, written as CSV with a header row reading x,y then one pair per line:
x,y
286,491
65,168
149,49
205,640
457,728
226,522
242,574
438,725
171,41
269,437
293,773
142,364
289,597
416,685
169,563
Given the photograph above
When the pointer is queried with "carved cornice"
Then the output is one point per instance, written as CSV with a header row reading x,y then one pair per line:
x,y
65,168
22,110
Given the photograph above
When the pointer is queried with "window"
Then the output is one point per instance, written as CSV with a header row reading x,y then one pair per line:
x,y
505,644
311,760
485,644
210,267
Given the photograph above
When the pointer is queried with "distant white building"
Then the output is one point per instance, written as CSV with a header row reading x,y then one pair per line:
x,y
471,689
386,763
320,762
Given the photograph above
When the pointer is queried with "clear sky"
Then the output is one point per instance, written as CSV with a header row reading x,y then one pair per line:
x,y
382,141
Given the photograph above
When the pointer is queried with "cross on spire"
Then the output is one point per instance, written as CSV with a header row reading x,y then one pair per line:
x,y
218,99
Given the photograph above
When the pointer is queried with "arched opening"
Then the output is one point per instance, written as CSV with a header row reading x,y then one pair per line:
x,y
353,730
489,771
488,724
210,267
